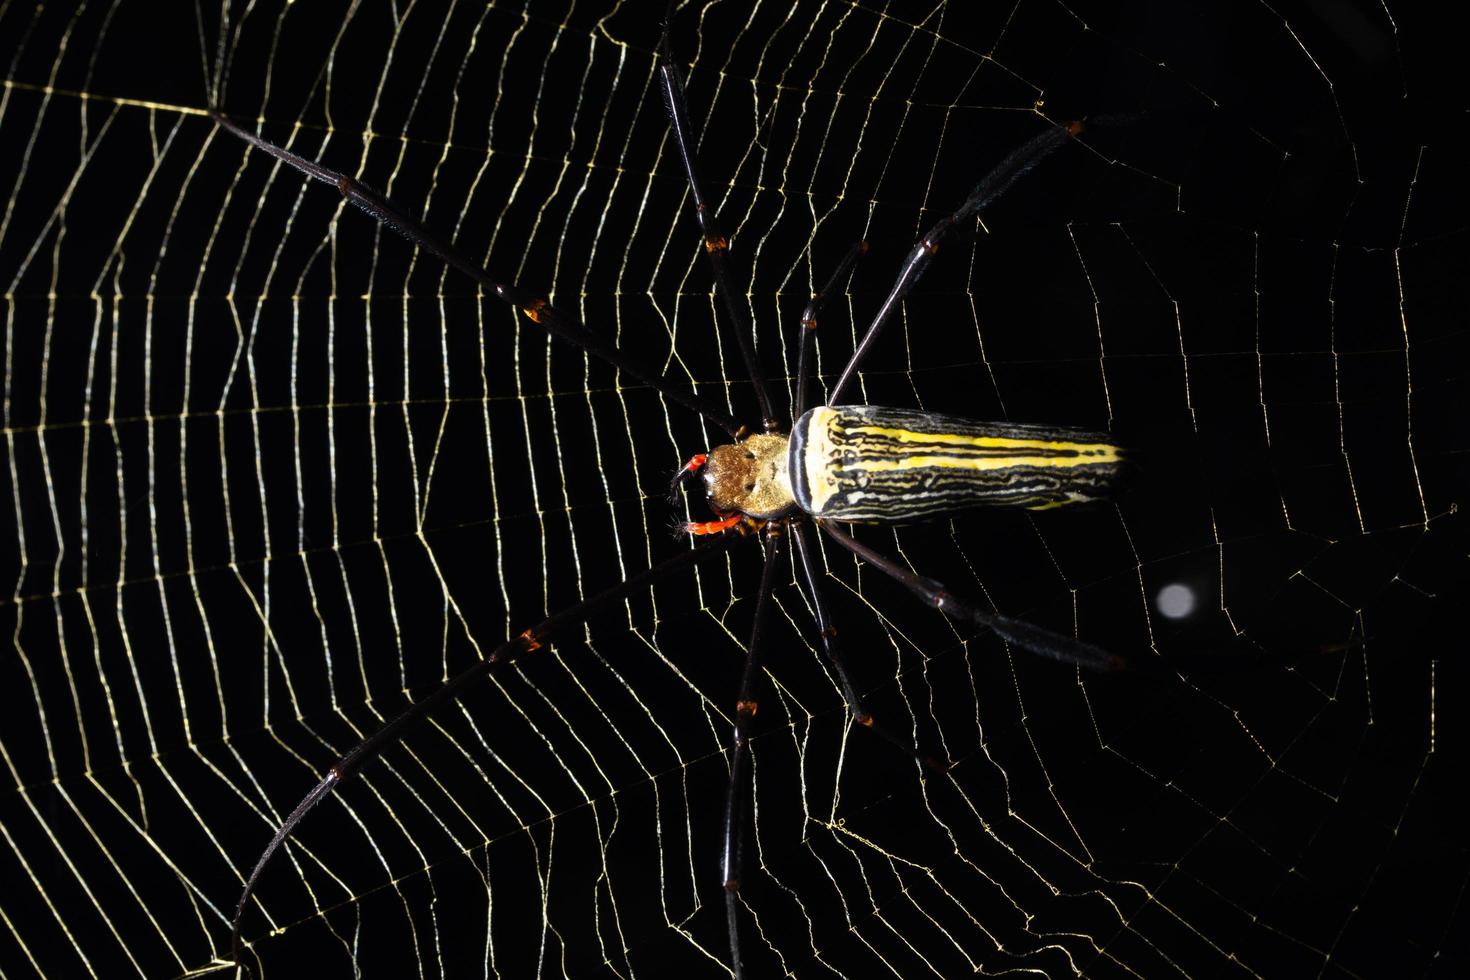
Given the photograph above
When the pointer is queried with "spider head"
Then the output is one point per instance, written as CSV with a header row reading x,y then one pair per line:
x,y
749,477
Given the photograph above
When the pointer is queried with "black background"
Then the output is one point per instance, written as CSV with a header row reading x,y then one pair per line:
x,y
1248,269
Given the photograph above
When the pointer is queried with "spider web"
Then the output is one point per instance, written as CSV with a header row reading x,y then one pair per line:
x,y
274,475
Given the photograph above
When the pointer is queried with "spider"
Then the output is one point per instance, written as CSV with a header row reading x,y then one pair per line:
x,y
834,463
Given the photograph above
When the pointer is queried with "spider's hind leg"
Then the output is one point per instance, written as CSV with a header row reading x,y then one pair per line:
x,y
1028,636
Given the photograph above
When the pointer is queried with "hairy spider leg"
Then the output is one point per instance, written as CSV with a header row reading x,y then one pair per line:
x,y
558,324
1016,165
716,246
532,639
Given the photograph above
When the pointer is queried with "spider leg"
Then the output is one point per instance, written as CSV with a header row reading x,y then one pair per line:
x,y
696,462
826,630
1028,636
716,246
991,186
561,326
732,857
832,651
714,527
805,368
532,639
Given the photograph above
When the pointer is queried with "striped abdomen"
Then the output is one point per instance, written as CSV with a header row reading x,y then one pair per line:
x,y
889,465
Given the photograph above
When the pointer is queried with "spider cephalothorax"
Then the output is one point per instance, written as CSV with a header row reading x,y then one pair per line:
x,y
750,477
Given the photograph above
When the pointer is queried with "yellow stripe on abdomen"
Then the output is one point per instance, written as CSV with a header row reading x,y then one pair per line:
x,y
866,463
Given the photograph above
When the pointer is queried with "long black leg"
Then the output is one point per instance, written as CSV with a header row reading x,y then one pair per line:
x,y
825,628
715,243
1028,636
805,368
832,651
538,310
991,186
532,639
732,857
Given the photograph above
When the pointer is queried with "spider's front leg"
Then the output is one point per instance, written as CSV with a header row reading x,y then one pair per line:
x,y
1001,178
716,246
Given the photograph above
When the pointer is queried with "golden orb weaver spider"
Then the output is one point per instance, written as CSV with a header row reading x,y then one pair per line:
x,y
835,463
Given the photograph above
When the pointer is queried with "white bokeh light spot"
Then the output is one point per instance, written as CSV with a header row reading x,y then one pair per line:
x,y
1176,601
